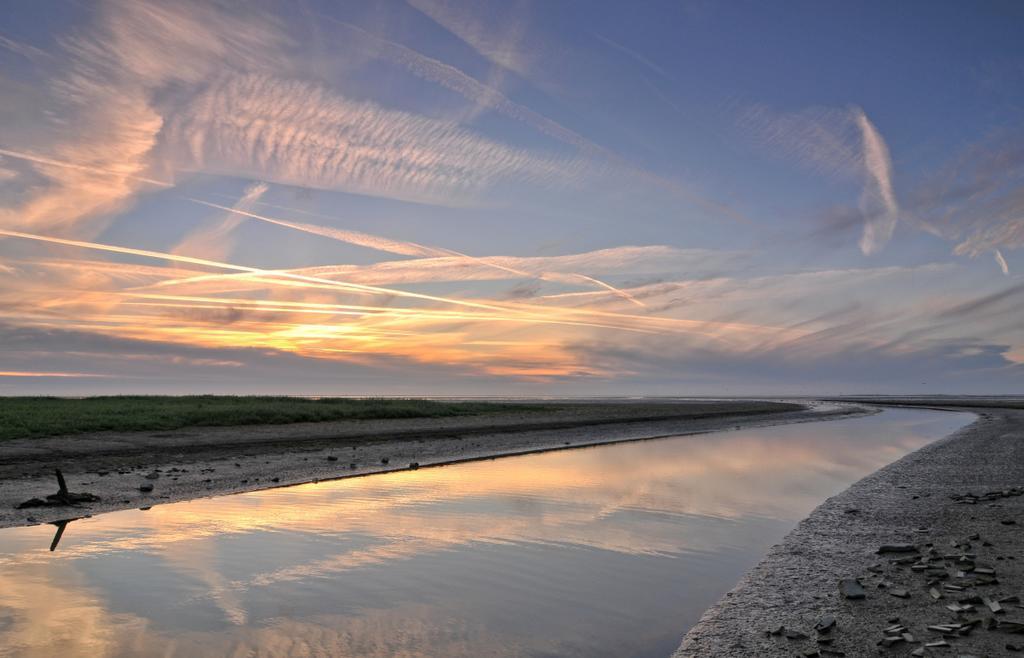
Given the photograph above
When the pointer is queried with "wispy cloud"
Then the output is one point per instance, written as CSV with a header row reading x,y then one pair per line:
x,y
1001,262
497,37
878,200
299,133
456,80
107,92
215,242
23,373
841,143
632,54
413,249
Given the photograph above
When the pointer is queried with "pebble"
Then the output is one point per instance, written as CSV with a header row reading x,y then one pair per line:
x,y
851,589
825,624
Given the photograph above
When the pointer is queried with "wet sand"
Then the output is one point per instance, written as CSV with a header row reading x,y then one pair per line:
x,y
204,462
917,501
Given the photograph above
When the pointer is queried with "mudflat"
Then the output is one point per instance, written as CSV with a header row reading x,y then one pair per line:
x,y
138,469
924,557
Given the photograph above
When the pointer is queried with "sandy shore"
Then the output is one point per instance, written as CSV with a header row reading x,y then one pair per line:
x,y
202,462
953,542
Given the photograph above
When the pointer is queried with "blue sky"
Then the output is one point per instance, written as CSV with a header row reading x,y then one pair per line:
x,y
452,198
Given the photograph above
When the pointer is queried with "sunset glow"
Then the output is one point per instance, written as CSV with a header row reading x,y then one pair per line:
x,y
451,198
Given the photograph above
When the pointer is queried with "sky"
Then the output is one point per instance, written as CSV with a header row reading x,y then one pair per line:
x,y
520,198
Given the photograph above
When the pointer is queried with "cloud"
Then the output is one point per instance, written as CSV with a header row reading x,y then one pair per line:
x,y
496,37
216,242
106,113
632,54
878,200
299,133
413,249
28,51
1001,262
841,143
455,80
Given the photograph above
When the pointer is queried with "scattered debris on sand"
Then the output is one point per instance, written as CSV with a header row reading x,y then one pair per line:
x,y
63,497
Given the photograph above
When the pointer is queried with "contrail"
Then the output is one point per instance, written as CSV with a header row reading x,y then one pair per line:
x,y
471,89
242,268
329,282
217,241
402,247
70,165
352,237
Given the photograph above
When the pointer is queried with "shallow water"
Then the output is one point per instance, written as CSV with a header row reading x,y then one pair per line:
x,y
608,551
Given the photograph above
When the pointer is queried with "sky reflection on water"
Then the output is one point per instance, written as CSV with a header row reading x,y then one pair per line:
x,y
608,551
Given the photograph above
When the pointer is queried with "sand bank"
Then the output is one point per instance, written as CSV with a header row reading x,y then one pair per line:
x,y
963,552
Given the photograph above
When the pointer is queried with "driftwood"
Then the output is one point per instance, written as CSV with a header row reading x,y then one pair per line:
x,y
60,533
63,497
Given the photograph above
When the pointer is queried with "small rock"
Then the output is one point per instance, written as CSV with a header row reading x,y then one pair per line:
x,y
851,589
825,624
275,479
145,488
153,476
899,593
796,635
332,458
384,460
414,465
897,548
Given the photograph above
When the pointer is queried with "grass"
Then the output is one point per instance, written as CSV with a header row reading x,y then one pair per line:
x,y
30,417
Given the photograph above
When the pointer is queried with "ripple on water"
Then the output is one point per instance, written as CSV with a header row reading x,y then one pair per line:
x,y
607,551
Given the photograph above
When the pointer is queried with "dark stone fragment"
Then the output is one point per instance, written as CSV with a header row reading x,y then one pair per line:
x,y
145,488
414,465
332,458
796,635
851,589
1008,522
275,479
897,548
384,460
152,476
825,624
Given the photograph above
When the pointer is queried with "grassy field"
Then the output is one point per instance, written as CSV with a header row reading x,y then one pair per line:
x,y
23,417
